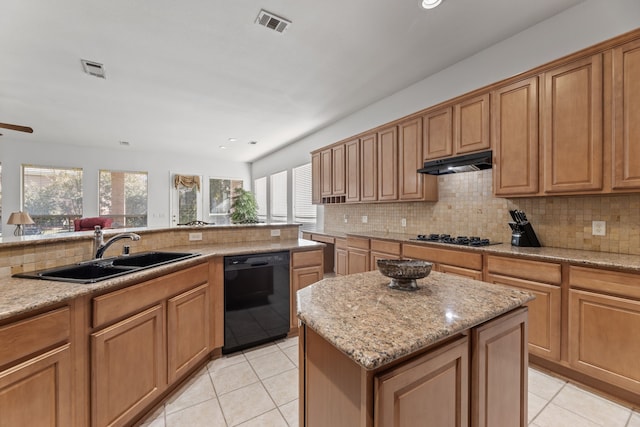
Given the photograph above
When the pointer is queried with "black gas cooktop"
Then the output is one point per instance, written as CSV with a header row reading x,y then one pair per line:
x,y
458,240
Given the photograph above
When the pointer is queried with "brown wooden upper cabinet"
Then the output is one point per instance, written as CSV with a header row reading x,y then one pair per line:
x,y
316,180
338,180
626,107
413,185
514,114
352,166
388,163
369,168
457,129
572,127
326,173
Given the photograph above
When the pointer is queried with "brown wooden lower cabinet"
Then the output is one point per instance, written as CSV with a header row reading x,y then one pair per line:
x,y
306,269
457,262
432,389
161,332
37,392
341,260
383,249
602,343
358,255
36,374
478,378
128,367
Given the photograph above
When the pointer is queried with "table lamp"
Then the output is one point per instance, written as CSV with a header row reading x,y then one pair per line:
x,y
19,219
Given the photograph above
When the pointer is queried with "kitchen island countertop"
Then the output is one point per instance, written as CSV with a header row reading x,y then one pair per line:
x,y
375,325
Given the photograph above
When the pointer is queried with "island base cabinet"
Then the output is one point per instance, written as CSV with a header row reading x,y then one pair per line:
x,y
431,390
129,367
499,371
38,391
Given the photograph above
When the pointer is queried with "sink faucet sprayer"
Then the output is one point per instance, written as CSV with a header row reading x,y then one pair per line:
x,y
99,245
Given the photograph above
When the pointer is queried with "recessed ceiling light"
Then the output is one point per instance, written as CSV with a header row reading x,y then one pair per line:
x,y
125,143
222,147
253,142
233,139
430,4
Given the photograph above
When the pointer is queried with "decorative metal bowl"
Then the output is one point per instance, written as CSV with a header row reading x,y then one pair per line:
x,y
404,272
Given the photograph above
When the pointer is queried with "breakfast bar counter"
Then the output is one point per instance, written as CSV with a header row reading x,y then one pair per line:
x,y
454,349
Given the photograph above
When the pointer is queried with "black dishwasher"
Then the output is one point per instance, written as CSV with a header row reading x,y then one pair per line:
x,y
256,299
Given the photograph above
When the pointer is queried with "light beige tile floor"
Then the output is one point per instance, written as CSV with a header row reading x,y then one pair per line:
x,y
259,387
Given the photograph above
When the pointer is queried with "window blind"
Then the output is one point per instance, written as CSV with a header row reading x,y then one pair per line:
x,y
278,196
260,192
303,210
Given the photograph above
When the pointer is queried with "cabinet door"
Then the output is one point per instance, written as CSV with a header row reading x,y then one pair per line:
x,y
316,179
301,278
369,168
352,153
438,134
337,167
410,160
433,388
188,323
388,164
544,314
572,127
38,392
128,366
515,138
341,262
499,371
357,261
471,125
626,99
375,256
602,343
326,173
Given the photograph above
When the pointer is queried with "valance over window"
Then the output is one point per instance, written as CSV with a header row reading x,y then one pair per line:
x,y
188,181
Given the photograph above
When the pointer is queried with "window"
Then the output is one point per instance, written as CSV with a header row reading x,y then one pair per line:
x,y
303,210
221,194
260,192
52,196
123,197
278,196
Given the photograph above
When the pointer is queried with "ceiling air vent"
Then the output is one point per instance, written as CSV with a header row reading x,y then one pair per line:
x,y
93,68
274,22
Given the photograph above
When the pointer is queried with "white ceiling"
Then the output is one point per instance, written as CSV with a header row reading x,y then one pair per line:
x,y
190,74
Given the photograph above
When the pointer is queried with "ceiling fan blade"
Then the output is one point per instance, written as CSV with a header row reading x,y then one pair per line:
x,y
16,127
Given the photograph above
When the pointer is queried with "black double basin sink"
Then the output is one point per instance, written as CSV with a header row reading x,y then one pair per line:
x,y
108,268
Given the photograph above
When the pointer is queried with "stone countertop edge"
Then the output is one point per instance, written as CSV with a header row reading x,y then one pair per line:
x,y
573,256
375,325
19,296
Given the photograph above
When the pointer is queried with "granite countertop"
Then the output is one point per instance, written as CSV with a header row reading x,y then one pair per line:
x,y
375,325
18,296
573,256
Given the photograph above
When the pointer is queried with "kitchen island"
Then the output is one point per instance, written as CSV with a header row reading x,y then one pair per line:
x,y
452,353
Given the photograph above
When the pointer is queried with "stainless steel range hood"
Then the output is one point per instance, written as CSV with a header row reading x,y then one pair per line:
x,y
464,163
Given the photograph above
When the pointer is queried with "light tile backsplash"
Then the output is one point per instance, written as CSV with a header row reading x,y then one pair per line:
x,y
466,207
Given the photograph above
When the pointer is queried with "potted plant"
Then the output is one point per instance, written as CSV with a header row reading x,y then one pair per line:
x,y
244,207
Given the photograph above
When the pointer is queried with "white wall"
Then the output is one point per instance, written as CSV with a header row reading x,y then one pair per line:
x,y
92,160
579,27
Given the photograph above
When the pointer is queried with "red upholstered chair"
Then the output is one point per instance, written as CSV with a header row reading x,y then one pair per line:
x,y
89,224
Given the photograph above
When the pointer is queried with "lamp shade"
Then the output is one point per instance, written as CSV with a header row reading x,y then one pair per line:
x,y
19,218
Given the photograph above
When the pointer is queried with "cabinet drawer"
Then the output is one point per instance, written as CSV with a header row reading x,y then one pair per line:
x,y
358,242
525,269
28,336
443,256
323,239
384,246
613,282
306,258
116,305
341,243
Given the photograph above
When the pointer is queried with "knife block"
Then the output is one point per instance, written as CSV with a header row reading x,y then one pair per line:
x,y
522,234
